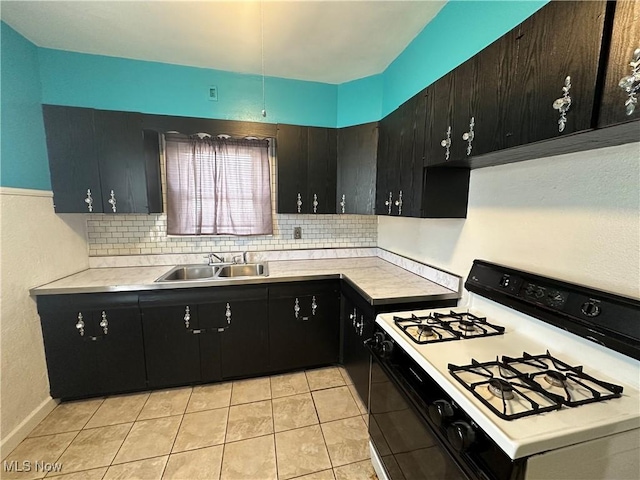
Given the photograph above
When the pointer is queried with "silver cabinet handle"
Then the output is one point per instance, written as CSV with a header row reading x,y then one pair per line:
x,y
470,135
314,305
89,200
343,204
446,143
399,203
353,317
360,326
80,324
112,201
187,316
227,314
296,308
315,203
389,202
299,203
631,83
563,104
104,323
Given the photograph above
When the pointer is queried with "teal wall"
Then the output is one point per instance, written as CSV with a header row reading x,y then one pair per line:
x,y
23,151
31,74
459,31
112,83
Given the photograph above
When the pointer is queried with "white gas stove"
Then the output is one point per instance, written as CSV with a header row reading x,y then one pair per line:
x,y
555,404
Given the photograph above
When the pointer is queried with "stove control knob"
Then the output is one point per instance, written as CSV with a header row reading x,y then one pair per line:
x,y
591,308
386,347
440,412
461,435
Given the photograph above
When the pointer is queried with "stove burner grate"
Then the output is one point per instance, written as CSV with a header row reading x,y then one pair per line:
x,y
444,327
512,386
558,374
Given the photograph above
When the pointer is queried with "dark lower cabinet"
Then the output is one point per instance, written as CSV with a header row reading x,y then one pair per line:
x,y
204,335
93,344
304,325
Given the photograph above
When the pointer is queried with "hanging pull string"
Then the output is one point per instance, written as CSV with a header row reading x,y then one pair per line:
x,y
264,108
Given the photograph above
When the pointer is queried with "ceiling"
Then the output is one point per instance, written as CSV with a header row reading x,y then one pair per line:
x,y
324,41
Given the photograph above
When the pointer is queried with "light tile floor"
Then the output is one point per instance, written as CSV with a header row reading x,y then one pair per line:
x,y
305,425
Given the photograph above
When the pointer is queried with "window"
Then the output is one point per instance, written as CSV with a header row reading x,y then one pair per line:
x,y
217,186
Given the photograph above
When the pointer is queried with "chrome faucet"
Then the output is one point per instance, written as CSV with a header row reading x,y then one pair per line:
x,y
213,256
243,256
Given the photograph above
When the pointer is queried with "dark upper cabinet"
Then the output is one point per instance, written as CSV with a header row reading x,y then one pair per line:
x,y
389,163
322,169
102,161
73,161
304,322
440,133
625,42
93,344
306,162
556,72
356,177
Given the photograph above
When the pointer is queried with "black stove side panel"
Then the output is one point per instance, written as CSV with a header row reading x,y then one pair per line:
x,y
602,317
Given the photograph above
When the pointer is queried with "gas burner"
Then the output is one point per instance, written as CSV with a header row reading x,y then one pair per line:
x,y
444,327
555,378
570,382
508,393
467,325
501,389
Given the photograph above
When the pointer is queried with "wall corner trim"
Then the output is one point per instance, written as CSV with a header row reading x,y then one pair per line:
x,y
18,434
25,192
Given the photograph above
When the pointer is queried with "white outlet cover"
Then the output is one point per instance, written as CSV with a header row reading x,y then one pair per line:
x,y
212,93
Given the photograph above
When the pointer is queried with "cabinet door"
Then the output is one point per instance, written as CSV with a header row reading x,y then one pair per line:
x,y
322,169
304,328
244,344
355,357
172,349
120,150
625,41
494,92
291,147
560,41
357,154
389,164
439,125
412,155
71,359
120,353
72,159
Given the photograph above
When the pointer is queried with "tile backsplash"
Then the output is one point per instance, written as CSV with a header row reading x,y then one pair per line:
x,y
147,234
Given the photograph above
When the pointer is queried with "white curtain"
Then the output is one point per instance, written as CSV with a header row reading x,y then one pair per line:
x,y
217,186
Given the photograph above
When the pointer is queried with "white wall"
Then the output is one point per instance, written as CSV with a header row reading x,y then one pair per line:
x,y
37,246
575,216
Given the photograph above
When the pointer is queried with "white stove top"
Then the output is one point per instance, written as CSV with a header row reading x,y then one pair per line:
x,y
541,432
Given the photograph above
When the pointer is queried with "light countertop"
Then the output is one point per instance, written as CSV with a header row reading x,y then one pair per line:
x,y
378,280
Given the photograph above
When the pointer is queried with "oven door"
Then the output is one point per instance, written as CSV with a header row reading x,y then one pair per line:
x,y
404,442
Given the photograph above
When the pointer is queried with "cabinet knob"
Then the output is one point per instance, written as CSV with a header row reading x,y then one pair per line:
x,y
80,324
631,83
89,201
563,104
315,203
399,203
314,305
299,203
446,143
389,202
187,316
104,323
112,201
470,135
343,204
296,308
227,314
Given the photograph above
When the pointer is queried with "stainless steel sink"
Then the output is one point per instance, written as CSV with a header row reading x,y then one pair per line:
x,y
243,270
191,273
